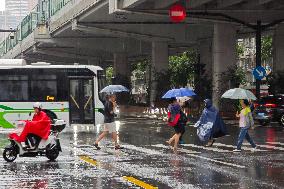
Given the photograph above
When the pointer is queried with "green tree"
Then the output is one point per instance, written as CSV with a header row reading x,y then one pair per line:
x,y
236,76
240,49
181,68
109,75
140,68
266,48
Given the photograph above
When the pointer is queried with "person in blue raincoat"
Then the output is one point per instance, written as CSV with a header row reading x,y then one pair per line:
x,y
210,125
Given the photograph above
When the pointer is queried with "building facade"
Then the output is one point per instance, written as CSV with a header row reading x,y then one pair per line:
x,y
32,4
17,9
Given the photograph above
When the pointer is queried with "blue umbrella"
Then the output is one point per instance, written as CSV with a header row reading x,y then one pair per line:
x,y
182,92
114,89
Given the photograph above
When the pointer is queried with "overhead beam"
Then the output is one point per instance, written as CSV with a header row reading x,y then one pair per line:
x,y
164,3
115,32
227,3
63,54
129,3
264,1
198,3
51,59
107,45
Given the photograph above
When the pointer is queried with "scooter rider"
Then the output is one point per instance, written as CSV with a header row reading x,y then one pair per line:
x,y
39,126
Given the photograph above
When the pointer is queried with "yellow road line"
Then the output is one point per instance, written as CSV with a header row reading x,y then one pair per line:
x,y
89,160
129,179
139,183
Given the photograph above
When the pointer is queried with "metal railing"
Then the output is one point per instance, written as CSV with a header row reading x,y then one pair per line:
x,y
57,5
39,15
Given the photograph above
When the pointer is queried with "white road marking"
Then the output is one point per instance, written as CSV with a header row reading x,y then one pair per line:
x,y
205,158
270,147
243,147
276,143
188,152
207,148
180,149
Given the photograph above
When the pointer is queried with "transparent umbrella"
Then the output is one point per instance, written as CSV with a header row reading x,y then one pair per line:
x,y
114,89
239,93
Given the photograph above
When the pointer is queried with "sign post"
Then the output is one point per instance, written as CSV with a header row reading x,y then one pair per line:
x,y
259,73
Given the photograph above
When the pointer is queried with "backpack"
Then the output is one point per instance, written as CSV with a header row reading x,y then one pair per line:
x,y
174,122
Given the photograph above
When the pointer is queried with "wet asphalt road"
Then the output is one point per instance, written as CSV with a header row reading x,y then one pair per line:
x,y
148,162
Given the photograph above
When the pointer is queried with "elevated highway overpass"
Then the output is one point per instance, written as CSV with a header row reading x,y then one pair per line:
x,y
105,32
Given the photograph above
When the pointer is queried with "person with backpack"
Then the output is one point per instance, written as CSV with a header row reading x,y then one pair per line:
x,y
177,119
246,122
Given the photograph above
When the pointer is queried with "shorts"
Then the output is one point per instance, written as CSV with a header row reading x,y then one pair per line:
x,y
110,127
179,129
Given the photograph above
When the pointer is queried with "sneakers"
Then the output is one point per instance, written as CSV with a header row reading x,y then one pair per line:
x,y
118,147
97,146
254,149
237,150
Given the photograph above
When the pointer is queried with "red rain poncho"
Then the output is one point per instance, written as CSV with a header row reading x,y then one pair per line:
x,y
40,126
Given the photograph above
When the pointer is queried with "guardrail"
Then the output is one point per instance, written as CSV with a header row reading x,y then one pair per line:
x,y
57,5
39,15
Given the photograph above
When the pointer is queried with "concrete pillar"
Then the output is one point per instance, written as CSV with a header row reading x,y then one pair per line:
x,y
121,69
278,49
160,63
205,52
224,56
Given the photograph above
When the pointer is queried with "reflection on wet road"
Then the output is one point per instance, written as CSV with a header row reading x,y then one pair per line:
x,y
147,162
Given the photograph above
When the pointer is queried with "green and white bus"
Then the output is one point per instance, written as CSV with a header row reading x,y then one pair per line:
x,y
70,91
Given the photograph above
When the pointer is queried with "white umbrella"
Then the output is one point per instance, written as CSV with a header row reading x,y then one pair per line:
x,y
114,89
238,93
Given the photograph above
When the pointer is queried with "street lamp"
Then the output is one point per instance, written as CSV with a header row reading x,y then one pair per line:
x,y
10,30
12,35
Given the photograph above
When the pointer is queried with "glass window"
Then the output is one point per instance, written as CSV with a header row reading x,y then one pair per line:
x,y
62,88
14,88
44,88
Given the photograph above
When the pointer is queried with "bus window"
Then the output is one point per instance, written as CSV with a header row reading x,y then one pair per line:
x,y
43,86
62,88
14,88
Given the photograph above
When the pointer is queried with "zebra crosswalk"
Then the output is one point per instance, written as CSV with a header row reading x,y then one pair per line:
x,y
186,150
217,147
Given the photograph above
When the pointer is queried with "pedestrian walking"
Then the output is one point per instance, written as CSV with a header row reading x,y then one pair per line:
x,y
177,119
210,125
109,123
246,122
182,101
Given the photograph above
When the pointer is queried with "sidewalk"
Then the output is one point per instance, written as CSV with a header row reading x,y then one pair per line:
x,y
160,114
